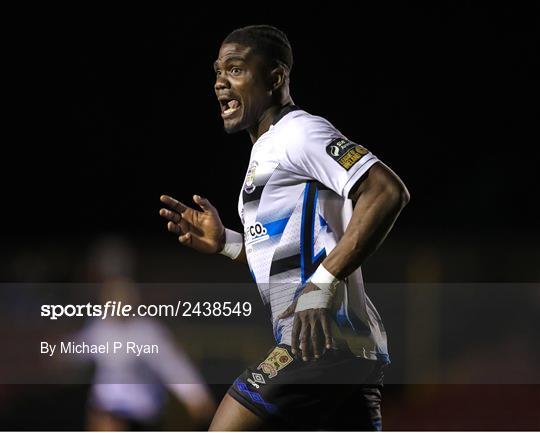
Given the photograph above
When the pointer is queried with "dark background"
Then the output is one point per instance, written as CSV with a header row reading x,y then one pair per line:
x,y
115,108
109,109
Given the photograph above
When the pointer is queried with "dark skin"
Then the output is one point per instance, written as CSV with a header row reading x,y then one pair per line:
x,y
261,90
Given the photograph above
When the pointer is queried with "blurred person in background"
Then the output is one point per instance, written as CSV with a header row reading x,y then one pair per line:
x,y
130,392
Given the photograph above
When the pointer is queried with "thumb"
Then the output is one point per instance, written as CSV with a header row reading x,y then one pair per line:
x,y
288,312
204,203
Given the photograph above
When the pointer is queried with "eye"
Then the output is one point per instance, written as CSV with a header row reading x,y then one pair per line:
x,y
235,70
218,73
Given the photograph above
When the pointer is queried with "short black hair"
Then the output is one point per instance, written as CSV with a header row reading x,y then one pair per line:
x,y
271,42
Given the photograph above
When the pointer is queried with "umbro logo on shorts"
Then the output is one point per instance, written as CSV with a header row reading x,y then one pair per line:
x,y
257,378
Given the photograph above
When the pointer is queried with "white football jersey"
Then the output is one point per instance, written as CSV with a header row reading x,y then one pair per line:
x,y
294,209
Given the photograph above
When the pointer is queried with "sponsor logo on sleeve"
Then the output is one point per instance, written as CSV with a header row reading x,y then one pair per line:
x,y
345,152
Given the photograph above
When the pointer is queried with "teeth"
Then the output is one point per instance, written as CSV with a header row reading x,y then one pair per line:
x,y
231,107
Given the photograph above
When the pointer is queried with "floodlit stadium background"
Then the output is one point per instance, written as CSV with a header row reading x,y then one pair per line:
x,y
110,110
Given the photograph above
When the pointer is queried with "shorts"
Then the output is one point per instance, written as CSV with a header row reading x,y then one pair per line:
x,y
339,391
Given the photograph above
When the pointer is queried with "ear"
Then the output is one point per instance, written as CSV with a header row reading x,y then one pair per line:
x,y
278,77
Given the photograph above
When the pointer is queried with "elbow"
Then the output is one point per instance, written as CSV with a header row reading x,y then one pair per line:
x,y
404,196
397,194
387,185
394,188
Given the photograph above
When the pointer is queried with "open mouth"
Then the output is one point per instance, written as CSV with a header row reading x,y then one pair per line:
x,y
229,106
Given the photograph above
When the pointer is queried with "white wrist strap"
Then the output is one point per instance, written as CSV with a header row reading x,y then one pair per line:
x,y
322,298
234,242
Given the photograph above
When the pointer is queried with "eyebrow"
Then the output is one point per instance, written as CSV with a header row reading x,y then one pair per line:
x,y
230,59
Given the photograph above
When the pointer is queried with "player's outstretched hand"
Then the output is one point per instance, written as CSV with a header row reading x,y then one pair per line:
x,y
312,331
201,230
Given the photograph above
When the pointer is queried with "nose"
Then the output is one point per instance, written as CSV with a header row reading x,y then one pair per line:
x,y
221,83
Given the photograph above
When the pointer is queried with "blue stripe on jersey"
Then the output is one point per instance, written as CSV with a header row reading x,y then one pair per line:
x,y
341,316
324,223
276,227
384,357
302,229
298,291
252,274
278,331
321,255
345,316
309,262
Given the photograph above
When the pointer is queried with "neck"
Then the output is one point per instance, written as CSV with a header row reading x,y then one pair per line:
x,y
266,119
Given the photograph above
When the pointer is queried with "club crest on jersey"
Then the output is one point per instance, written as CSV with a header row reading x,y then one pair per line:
x,y
345,152
249,185
255,233
277,360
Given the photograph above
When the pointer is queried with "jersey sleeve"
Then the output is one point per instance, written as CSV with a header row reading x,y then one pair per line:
x,y
318,151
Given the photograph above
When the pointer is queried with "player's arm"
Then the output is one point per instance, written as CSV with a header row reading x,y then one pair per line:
x,y
201,229
378,199
379,196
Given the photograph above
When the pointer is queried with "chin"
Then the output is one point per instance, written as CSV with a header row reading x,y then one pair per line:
x,y
232,128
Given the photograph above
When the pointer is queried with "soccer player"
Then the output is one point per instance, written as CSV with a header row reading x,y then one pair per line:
x,y
314,206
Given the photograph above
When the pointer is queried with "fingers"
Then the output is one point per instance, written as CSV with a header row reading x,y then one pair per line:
x,y
295,335
180,207
300,336
315,337
174,217
173,203
176,223
305,340
204,203
170,215
188,223
186,239
311,333
174,228
327,330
